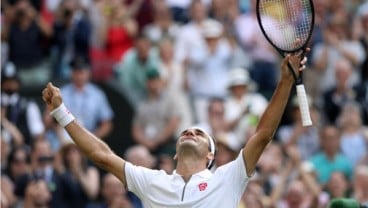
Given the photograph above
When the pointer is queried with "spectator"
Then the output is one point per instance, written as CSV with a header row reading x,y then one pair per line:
x,y
360,184
166,163
53,132
139,155
226,152
225,12
337,45
295,196
42,159
301,188
132,70
360,33
7,198
81,181
37,194
341,93
72,37
179,9
113,34
338,186
215,124
118,30
20,111
9,131
113,194
243,107
306,138
263,71
174,77
329,159
208,71
27,34
271,169
163,26
18,163
87,100
354,136
156,119
4,152
190,37
253,195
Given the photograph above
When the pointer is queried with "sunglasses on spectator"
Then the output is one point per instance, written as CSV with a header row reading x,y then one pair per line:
x,y
19,160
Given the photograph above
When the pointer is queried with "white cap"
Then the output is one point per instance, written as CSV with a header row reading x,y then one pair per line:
x,y
238,76
211,28
229,140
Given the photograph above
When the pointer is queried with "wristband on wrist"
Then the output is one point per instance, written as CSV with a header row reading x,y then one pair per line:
x,y
62,115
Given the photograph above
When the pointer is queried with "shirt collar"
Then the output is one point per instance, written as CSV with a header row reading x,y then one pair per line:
x,y
202,174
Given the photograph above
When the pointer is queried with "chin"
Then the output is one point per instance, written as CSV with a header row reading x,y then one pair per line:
x,y
187,145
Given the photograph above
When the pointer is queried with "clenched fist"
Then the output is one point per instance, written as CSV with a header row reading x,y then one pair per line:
x,y
51,96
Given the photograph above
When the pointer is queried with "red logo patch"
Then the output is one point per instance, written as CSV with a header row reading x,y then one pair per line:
x,y
202,186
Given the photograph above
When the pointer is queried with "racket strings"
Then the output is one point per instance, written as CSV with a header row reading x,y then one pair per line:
x,y
284,21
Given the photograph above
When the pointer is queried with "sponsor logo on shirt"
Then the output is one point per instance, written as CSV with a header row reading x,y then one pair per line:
x,y
202,186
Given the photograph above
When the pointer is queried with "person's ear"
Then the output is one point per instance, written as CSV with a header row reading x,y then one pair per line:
x,y
210,156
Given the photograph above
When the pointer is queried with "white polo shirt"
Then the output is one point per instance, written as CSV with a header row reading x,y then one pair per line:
x,y
155,188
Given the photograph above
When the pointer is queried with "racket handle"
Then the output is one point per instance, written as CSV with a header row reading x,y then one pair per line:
x,y
303,105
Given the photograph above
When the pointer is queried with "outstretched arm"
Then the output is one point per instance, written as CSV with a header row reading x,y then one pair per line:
x,y
94,148
272,115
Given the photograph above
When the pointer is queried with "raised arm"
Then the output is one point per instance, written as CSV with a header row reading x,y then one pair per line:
x,y
272,115
94,148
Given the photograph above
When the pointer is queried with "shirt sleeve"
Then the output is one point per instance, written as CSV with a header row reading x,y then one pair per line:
x,y
137,178
235,174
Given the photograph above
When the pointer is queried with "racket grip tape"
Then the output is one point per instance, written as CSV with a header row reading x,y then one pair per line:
x,y
303,105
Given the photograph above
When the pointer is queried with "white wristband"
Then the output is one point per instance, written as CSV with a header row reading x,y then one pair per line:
x,y
62,115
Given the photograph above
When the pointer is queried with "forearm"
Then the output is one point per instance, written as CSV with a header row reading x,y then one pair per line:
x,y
273,113
94,148
134,7
278,190
45,28
267,125
89,182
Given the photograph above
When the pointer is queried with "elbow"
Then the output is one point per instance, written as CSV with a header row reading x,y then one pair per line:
x,y
265,136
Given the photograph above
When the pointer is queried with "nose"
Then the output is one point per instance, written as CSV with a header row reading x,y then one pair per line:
x,y
189,132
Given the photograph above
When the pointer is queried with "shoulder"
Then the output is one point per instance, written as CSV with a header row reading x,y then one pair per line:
x,y
133,171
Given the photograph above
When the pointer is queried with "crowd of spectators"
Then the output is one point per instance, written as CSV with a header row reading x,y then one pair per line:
x,y
179,63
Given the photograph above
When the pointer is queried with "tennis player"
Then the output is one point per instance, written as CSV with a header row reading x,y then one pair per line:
x,y
192,184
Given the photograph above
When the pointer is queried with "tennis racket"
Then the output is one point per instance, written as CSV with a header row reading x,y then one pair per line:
x,y
282,23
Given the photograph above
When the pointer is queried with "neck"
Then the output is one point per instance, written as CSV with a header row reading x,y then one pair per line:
x,y
350,129
188,164
167,61
341,88
331,155
79,87
29,203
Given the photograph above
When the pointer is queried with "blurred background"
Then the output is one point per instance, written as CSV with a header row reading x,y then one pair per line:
x,y
137,72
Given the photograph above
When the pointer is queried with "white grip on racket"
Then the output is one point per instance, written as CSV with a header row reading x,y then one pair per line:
x,y
303,105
